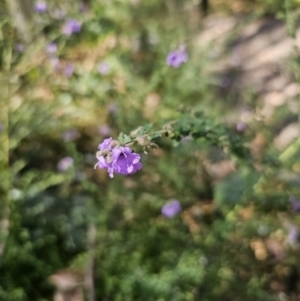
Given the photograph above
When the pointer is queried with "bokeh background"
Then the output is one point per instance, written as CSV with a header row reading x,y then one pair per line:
x,y
74,73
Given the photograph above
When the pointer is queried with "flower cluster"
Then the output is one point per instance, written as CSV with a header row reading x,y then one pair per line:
x,y
117,158
176,57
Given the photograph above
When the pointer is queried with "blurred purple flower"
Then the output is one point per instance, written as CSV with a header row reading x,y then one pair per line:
x,y
20,47
68,69
118,159
295,203
71,26
104,130
40,7
70,135
51,48
241,126
170,209
113,108
176,57
1,127
103,68
293,234
55,63
64,164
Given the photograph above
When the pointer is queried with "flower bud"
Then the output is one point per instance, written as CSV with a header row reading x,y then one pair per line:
x,y
167,129
114,143
143,140
109,158
153,145
133,133
102,153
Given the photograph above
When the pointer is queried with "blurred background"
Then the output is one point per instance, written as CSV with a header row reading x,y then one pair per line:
x,y
195,223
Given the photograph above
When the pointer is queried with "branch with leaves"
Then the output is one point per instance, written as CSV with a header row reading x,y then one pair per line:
x,y
117,155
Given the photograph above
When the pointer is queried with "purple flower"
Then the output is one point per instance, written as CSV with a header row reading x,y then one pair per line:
x,y
64,164
1,127
176,57
51,48
113,108
104,130
71,26
170,209
68,69
19,47
103,68
116,158
55,63
241,126
293,233
70,135
40,7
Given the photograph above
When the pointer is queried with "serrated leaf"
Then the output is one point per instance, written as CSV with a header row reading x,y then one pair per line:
x,y
121,137
126,139
145,129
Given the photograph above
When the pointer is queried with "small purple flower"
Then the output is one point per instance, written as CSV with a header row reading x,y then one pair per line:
x,y
170,209
55,63
116,158
1,127
176,57
113,108
20,47
68,69
293,233
40,7
103,68
241,126
64,164
70,135
71,26
104,130
51,48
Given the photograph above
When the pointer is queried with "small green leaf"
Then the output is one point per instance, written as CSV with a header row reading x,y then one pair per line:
x,y
145,129
123,138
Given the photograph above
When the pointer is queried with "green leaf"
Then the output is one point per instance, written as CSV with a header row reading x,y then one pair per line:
x,y
145,129
123,138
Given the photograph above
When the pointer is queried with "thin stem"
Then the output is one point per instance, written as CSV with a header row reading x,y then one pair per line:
x,y
89,274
